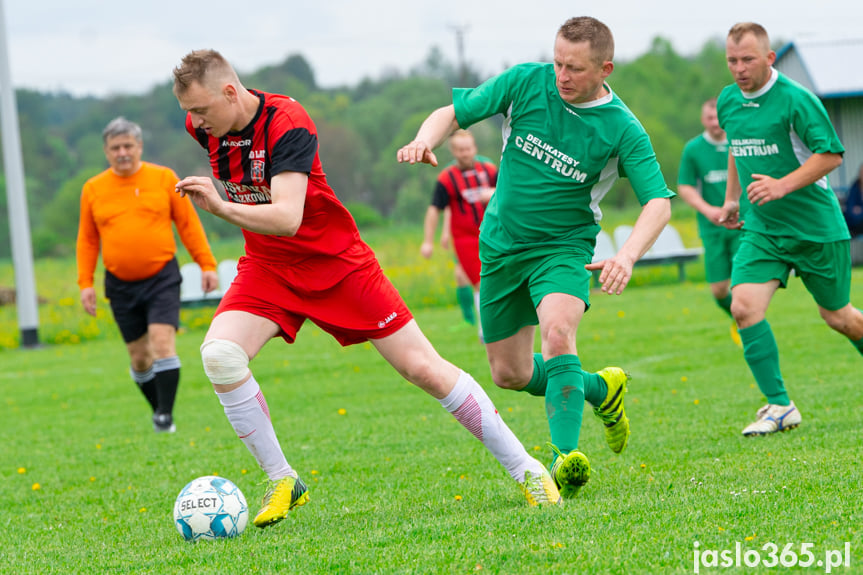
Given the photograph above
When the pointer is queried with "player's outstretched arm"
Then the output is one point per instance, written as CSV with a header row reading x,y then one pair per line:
x,y
434,130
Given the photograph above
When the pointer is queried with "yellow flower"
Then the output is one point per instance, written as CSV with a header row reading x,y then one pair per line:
x,y
142,510
684,379
458,497
695,402
342,411
36,487
22,470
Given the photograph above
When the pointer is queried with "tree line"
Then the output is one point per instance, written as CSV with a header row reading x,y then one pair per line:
x,y
359,127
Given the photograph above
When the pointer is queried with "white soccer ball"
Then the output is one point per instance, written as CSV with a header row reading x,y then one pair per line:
x,y
210,507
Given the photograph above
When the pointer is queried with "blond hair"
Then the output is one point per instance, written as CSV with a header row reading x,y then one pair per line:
x,y
203,67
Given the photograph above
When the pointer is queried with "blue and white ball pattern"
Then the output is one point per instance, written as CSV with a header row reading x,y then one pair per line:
x,y
210,507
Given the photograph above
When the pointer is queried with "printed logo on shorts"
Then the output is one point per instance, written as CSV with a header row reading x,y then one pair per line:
x,y
388,319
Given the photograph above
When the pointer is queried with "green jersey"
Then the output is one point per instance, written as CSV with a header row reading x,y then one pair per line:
x,y
704,166
773,132
559,160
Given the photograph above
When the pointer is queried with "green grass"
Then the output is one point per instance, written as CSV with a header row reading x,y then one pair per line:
x,y
398,486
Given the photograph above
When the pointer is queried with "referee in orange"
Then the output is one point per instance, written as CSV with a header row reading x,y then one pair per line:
x,y
127,212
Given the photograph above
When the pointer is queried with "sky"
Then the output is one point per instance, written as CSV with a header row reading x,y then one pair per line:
x,y
90,47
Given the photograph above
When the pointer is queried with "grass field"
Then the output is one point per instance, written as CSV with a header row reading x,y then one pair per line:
x,y
398,486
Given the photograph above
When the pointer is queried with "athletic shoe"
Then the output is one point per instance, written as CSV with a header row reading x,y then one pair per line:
x,y
163,423
570,472
539,489
611,412
773,418
281,496
735,336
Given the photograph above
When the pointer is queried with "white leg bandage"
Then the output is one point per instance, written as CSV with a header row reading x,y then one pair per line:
x,y
225,362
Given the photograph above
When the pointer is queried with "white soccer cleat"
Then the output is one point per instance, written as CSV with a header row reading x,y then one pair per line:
x,y
773,418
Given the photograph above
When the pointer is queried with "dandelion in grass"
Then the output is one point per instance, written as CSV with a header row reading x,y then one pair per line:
x,y
621,313
22,470
696,402
36,487
684,379
142,510
458,497
342,411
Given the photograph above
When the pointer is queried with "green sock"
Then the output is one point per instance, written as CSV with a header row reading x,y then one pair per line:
x,y
564,401
539,380
762,355
595,388
859,343
725,304
464,294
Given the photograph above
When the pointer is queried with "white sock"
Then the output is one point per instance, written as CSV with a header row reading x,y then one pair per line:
x,y
470,405
249,415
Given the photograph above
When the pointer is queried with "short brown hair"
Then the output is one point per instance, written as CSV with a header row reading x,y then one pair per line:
x,y
591,30
200,66
742,28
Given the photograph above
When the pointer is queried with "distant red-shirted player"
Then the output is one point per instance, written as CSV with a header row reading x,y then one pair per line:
x,y
305,260
462,191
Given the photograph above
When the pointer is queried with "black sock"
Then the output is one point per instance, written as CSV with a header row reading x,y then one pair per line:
x,y
146,382
167,380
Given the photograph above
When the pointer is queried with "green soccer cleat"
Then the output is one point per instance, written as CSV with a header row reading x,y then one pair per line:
x,y
570,472
281,496
539,489
611,412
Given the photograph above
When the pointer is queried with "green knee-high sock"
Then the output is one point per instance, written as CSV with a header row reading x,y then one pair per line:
x,y
595,388
464,294
564,401
762,355
859,343
539,380
725,304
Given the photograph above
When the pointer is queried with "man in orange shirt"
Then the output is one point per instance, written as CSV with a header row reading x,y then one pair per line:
x,y
127,210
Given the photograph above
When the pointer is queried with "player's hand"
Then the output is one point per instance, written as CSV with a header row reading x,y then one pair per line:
x,y
416,151
730,216
714,213
616,273
426,249
765,189
88,300
202,191
209,281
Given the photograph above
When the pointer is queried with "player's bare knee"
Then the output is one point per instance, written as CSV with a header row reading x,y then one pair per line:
x,y
507,377
225,362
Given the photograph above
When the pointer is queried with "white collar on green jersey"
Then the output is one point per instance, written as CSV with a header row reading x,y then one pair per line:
x,y
774,74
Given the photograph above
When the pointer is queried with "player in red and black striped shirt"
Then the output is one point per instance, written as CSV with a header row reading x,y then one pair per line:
x,y
465,187
305,260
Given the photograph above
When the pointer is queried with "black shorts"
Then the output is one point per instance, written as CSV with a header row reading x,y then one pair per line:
x,y
152,300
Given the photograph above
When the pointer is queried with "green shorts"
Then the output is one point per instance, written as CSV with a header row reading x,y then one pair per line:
x,y
513,285
719,250
825,268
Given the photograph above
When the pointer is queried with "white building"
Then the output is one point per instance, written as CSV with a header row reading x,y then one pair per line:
x,y
832,70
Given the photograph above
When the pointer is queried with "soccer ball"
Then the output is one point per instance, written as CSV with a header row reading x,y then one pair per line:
x,y
210,507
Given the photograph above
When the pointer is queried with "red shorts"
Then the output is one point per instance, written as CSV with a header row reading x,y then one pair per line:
x,y
467,252
361,306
